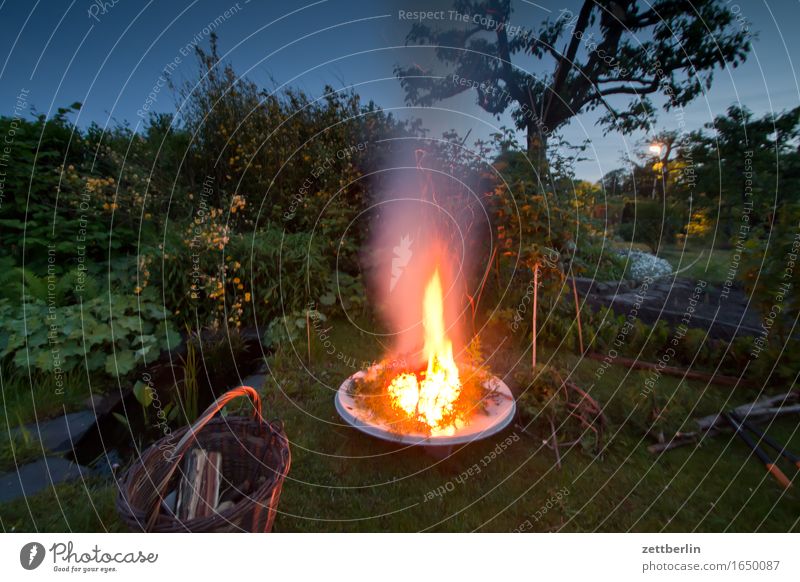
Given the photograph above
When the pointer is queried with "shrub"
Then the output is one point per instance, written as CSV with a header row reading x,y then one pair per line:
x,y
543,399
651,223
107,333
249,279
599,262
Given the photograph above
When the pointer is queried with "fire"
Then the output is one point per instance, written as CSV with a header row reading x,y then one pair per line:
x,y
430,399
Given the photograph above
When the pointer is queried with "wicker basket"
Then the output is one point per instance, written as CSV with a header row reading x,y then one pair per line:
x,y
252,450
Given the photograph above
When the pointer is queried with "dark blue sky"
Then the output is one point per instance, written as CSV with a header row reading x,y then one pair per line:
x,y
110,58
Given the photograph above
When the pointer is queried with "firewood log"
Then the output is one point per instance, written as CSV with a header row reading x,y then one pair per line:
x,y
198,491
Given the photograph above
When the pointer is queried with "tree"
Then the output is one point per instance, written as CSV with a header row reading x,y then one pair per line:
x,y
617,182
659,151
612,48
751,165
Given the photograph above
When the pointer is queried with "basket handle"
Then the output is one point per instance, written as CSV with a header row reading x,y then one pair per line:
x,y
183,445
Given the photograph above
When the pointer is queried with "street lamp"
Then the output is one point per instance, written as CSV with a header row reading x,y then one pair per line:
x,y
656,149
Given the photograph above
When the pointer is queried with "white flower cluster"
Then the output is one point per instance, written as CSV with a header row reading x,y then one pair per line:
x,y
641,264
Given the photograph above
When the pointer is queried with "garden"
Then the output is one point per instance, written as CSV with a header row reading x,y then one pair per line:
x,y
352,269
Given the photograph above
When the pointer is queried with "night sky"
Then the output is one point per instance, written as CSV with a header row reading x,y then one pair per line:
x,y
110,56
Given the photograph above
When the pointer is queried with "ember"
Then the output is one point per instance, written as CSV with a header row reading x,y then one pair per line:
x,y
432,398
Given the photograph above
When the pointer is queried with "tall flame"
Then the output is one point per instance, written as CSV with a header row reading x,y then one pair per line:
x,y
432,398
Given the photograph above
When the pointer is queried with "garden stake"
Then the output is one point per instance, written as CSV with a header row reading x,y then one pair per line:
x,y
308,337
483,284
771,467
533,333
794,459
577,313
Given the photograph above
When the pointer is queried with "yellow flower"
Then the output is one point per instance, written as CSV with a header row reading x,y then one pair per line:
x,y
247,296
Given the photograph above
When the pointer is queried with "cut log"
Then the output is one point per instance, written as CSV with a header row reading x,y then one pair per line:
x,y
679,440
198,491
224,506
169,501
677,372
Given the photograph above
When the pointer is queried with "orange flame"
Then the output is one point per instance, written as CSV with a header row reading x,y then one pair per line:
x,y
432,398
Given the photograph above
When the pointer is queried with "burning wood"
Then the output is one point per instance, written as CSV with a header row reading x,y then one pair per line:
x,y
432,398
439,401
438,396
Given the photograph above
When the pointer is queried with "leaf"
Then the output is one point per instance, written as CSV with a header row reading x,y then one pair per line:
x,y
12,223
318,315
328,299
143,393
127,322
170,336
171,411
122,364
142,352
122,420
95,360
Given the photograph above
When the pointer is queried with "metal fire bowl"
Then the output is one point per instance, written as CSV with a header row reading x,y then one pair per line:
x,y
499,412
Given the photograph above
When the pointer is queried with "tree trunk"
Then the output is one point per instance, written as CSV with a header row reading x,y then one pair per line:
x,y
537,150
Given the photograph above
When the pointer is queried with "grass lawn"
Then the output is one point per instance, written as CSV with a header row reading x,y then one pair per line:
x,y
709,264
22,405
342,480
76,506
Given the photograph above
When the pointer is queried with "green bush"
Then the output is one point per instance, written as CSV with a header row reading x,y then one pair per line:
x,y
253,279
651,223
601,262
110,333
543,399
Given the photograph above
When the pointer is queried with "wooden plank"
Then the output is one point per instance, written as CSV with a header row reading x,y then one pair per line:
x,y
707,426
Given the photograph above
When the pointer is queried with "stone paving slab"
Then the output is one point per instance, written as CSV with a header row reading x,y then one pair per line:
x,y
58,434
664,299
37,476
